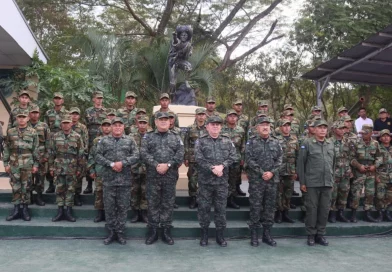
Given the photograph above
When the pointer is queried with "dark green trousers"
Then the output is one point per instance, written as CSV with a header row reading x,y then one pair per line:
x,y
318,201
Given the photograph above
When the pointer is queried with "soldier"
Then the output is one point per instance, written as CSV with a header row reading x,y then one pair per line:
x,y
384,174
315,172
214,154
116,154
111,114
43,132
21,160
24,104
366,159
342,111
134,127
342,173
253,123
193,133
211,107
162,151
93,119
172,126
82,131
95,171
295,123
66,157
164,101
138,186
53,118
128,112
243,120
287,172
316,111
237,136
349,132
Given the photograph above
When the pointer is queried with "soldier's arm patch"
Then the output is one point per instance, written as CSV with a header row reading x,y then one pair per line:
x,y
302,147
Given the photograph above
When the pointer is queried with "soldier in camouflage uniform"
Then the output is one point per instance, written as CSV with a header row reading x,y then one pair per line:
x,y
288,115
93,119
263,160
214,154
21,160
139,112
111,114
253,126
66,159
243,120
349,132
24,104
53,118
384,178
116,154
342,112
295,123
211,108
138,187
193,133
164,101
128,112
43,132
342,175
95,171
172,127
287,172
366,158
162,151
237,136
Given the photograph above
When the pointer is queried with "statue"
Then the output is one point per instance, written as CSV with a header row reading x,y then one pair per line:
x,y
185,95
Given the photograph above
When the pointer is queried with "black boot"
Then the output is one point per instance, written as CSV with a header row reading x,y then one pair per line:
x,y
204,237
68,215
39,200
144,216
167,237
278,217
380,216
354,216
320,239
112,236
60,214
77,200
332,216
387,216
286,217
152,236
220,239
135,216
89,188
239,191
254,237
369,217
192,203
100,216
121,238
310,241
14,214
25,213
341,216
231,203
51,188
267,237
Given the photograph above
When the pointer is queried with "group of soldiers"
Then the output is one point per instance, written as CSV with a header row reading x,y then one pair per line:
x,y
134,161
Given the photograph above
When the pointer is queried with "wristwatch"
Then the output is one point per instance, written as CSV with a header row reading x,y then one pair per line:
x,y
169,165
112,164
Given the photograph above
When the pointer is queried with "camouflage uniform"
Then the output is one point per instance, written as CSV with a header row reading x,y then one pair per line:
x,y
14,112
81,129
94,168
129,117
53,119
384,174
152,119
94,118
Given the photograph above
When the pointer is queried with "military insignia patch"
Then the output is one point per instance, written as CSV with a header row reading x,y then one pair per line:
x,y
302,147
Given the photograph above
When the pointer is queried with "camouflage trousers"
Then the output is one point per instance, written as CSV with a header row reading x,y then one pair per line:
x,y
234,178
368,180
284,192
262,200
39,178
21,185
116,199
340,190
65,190
161,195
383,194
207,195
138,192
192,179
98,203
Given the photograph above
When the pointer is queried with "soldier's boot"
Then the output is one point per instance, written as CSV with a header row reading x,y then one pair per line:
x,y
320,239
204,237
192,203
144,216
14,214
39,200
332,216
108,240
77,200
278,217
167,237
380,214
100,216
220,239
369,217
254,237
231,203
25,213
60,214
354,216
341,216
121,238
286,217
267,239
89,188
68,215
310,241
135,216
388,216
51,188
239,191
152,236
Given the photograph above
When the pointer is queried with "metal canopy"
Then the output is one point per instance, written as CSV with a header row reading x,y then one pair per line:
x,y
369,62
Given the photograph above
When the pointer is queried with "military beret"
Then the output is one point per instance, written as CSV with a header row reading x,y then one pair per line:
x,y
130,93
261,120
161,114
74,109
210,99
164,95
385,131
24,92
200,110
320,122
66,119
231,112
58,94
34,109
342,109
117,120
24,113
106,121
214,119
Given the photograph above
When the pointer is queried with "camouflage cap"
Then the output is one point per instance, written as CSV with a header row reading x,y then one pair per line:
x,y
211,99
139,110
339,124
284,122
262,103
231,112
161,114
347,118
171,114
200,111
24,113
342,109
287,113
366,128
261,120
316,108
130,93
237,102
312,121
117,120
34,109
288,107
66,119
164,95
320,122
74,109
383,110
24,92
98,94
385,131
58,94
261,113
106,121
214,119
111,112
142,118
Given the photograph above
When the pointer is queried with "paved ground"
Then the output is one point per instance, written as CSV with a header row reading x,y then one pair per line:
x,y
344,254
